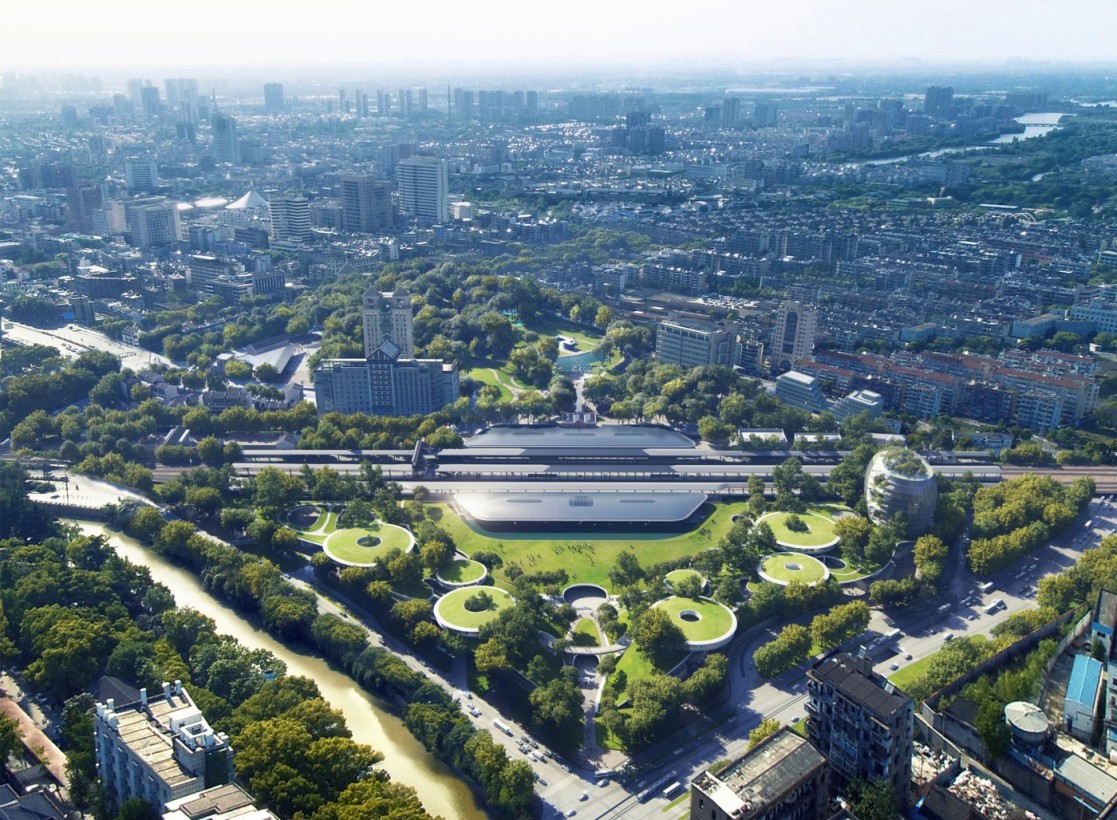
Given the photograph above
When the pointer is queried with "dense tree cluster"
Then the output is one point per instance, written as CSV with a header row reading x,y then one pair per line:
x,y
256,584
827,630
1013,518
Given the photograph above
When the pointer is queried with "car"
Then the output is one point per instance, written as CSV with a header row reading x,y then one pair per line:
x,y
949,636
584,796
542,781
571,813
894,667
795,719
467,695
907,656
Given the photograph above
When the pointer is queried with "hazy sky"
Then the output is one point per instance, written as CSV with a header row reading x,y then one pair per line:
x,y
86,35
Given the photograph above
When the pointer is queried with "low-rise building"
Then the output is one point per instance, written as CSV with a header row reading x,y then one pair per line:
x,y
781,778
800,390
158,749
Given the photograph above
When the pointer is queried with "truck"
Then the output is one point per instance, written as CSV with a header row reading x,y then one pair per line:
x,y
504,728
673,790
988,586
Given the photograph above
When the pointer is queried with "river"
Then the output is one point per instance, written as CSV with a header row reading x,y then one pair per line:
x,y
1035,125
440,789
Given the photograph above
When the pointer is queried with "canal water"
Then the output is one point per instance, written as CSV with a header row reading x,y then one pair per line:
x,y
441,790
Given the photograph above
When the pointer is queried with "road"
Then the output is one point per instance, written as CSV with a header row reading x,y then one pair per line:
x,y
73,340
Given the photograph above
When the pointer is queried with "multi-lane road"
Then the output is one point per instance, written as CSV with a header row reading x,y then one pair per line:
x,y
73,340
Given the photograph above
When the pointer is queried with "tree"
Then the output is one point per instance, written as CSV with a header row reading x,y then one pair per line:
x,y
626,570
658,637
10,741
276,491
435,553
767,728
136,808
853,533
876,800
557,703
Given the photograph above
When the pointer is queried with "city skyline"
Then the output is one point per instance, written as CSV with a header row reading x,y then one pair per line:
x,y
83,38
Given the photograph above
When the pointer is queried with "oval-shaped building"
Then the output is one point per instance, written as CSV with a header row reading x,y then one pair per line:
x,y
899,480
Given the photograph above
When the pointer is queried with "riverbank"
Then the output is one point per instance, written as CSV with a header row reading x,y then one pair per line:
x,y
370,721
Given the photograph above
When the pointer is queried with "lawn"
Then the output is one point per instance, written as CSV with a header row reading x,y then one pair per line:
x,y
451,607
586,633
490,376
586,557
810,569
343,545
820,530
461,571
675,576
553,326
713,621
906,675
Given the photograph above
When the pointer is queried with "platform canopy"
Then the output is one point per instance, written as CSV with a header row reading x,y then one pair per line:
x,y
580,507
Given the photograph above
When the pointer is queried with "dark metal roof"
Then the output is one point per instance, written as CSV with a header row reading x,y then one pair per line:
x,y
580,506
855,678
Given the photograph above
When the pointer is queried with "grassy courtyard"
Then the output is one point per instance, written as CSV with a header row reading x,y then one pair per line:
x,y
677,576
709,621
820,527
461,571
586,633
793,567
363,547
586,557
451,607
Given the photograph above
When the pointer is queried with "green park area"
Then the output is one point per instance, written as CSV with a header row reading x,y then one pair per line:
x,y
699,620
586,557
793,566
461,571
364,546
676,577
586,633
501,378
819,523
453,608
585,338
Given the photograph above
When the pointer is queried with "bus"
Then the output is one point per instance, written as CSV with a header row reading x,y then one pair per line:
x,y
672,791
502,727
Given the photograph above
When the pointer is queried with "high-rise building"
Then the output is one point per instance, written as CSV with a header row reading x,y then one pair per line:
x,y
226,147
938,102
424,189
149,101
794,336
385,383
383,103
691,343
141,173
765,114
387,316
152,221
366,203
405,106
158,749
290,217
781,778
860,721
731,112
273,98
